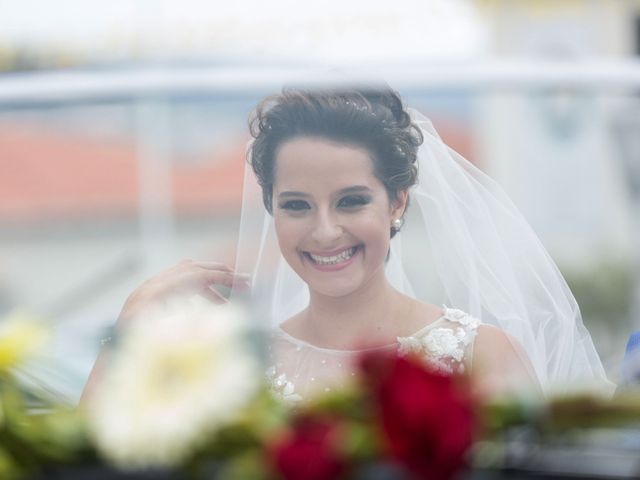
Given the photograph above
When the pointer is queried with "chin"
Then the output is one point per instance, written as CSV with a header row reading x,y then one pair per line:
x,y
335,289
336,286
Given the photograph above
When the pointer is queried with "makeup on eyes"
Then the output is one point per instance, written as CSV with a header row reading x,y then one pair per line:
x,y
351,201
347,200
294,205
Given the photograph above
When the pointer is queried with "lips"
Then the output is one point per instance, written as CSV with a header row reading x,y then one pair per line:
x,y
334,259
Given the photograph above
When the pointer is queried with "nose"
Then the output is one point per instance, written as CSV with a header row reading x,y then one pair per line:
x,y
326,229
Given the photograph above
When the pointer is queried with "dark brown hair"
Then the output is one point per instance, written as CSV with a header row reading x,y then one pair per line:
x,y
371,118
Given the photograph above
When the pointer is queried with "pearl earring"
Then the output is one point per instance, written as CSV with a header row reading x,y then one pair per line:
x,y
397,224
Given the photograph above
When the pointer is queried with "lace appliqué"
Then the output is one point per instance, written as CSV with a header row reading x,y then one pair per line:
x,y
443,348
281,386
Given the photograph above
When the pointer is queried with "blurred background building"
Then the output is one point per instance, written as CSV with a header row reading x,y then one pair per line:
x,y
123,128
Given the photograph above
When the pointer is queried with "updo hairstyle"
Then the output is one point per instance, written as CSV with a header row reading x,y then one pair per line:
x,y
371,118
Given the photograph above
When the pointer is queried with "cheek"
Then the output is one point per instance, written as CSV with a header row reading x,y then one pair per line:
x,y
281,229
287,231
375,227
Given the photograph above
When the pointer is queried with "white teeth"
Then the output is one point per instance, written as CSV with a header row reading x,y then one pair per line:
x,y
346,255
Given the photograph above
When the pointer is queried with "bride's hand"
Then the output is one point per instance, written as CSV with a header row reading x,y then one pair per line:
x,y
187,277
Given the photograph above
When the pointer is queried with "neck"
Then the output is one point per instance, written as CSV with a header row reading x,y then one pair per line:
x,y
358,320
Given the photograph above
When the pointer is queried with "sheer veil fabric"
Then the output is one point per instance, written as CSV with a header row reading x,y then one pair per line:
x,y
465,245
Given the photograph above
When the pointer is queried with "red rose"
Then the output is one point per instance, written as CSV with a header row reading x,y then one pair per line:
x,y
309,453
426,418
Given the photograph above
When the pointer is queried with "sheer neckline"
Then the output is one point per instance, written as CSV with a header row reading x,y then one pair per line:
x,y
303,343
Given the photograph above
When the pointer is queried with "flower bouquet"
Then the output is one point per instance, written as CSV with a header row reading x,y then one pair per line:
x,y
185,396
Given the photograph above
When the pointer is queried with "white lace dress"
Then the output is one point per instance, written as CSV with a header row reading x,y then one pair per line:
x,y
297,369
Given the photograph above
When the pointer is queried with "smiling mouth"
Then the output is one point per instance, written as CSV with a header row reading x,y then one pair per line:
x,y
334,259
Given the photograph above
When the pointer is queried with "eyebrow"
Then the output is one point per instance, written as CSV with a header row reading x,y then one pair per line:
x,y
342,191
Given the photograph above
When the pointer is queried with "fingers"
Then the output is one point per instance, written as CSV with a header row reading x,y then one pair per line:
x,y
204,280
240,280
213,296
220,273
198,277
208,265
214,277
189,277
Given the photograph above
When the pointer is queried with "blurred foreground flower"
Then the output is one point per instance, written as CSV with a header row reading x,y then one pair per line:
x,y
175,377
21,336
427,418
310,451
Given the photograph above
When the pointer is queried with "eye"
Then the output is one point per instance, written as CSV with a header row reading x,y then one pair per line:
x,y
352,201
295,205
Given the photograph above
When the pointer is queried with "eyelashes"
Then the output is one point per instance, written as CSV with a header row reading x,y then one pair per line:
x,y
295,205
348,202
351,201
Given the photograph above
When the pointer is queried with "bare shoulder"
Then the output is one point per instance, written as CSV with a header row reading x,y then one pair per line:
x,y
491,340
500,363
499,350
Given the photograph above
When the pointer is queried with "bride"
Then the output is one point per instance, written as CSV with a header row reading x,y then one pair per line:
x,y
338,171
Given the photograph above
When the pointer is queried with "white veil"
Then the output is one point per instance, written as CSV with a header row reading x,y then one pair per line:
x,y
484,259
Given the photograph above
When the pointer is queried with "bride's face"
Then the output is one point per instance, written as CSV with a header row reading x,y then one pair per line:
x,y
332,215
